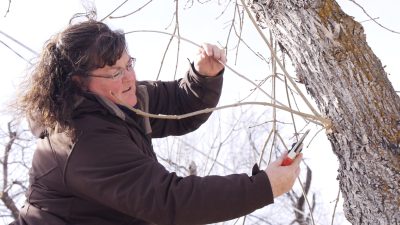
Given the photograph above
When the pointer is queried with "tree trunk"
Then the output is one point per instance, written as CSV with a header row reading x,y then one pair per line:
x,y
339,70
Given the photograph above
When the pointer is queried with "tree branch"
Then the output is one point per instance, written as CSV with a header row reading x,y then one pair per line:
x,y
4,195
373,19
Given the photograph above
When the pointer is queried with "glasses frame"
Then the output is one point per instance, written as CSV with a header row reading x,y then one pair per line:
x,y
120,73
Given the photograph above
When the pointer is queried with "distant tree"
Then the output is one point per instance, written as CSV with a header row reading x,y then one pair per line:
x,y
15,162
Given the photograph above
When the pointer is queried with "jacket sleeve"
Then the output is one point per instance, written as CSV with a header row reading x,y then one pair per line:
x,y
123,178
191,93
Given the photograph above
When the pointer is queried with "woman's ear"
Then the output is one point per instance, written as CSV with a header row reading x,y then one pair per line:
x,y
80,82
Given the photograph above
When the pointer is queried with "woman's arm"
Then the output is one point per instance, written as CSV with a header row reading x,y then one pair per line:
x,y
107,167
192,93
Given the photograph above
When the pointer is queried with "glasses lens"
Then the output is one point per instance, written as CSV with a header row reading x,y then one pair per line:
x,y
133,62
118,75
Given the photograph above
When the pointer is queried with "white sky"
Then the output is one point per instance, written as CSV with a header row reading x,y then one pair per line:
x,y
33,22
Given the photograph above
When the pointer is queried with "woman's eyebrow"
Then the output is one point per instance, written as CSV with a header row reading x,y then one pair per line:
x,y
121,67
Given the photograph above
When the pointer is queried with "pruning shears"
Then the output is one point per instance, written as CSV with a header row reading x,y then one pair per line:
x,y
295,150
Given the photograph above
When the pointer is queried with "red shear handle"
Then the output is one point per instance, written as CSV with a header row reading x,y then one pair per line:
x,y
287,161
289,158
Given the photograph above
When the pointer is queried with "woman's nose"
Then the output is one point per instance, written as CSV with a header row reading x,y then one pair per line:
x,y
130,75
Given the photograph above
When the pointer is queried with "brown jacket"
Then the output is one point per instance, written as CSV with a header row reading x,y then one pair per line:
x,y
110,175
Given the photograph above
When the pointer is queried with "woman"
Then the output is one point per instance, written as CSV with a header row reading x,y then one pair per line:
x,y
94,162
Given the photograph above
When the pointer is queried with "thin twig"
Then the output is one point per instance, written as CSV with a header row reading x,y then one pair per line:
x,y
231,26
221,144
305,197
18,42
129,14
15,52
114,10
244,220
165,53
363,21
172,163
279,63
274,71
4,195
215,158
226,65
241,22
366,13
8,8
263,150
334,209
283,142
205,155
290,105
179,36
276,61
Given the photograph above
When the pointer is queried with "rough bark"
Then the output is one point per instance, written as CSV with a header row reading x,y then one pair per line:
x,y
340,71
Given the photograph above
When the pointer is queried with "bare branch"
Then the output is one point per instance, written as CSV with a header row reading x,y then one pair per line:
x,y
303,199
226,65
4,195
15,52
205,155
165,53
334,209
373,19
12,135
278,62
109,15
176,33
118,17
314,119
137,10
9,203
172,163
19,43
8,8
179,36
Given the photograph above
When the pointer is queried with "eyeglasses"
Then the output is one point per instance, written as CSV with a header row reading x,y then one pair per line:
x,y
120,73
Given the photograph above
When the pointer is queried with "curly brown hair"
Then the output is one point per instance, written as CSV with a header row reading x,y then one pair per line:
x,y
49,94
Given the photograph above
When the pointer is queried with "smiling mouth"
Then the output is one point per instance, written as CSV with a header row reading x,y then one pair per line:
x,y
130,88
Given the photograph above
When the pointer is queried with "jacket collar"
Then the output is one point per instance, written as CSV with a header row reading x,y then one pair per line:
x,y
89,102
114,109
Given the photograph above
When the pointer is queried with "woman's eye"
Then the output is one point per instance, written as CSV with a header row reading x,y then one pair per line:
x,y
118,74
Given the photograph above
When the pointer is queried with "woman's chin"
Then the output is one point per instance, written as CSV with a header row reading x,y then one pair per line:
x,y
132,101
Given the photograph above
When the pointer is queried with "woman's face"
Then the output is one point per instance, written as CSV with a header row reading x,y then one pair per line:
x,y
118,80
